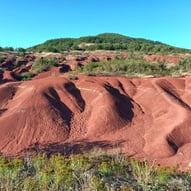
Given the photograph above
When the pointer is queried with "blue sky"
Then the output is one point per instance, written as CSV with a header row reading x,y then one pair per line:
x,y
24,23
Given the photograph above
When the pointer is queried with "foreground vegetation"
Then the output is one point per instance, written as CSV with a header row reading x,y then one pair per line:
x,y
90,172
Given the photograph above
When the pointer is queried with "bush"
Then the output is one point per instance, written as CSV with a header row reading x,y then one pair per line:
x,y
21,52
2,60
44,64
27,76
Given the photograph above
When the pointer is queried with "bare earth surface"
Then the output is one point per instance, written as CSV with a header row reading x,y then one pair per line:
x,y
147,118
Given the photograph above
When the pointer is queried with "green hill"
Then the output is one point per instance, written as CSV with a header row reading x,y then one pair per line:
x,y
105,41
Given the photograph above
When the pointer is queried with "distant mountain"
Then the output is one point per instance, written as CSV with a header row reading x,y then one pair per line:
x,y
105,41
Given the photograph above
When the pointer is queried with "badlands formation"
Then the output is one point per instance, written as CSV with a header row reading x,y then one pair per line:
x,y
147,118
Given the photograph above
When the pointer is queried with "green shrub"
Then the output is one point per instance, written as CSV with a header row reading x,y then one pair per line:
x,y
21,52
2,60
44,64
27,76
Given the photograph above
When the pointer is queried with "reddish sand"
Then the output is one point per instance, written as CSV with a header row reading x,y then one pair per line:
x,y
146,118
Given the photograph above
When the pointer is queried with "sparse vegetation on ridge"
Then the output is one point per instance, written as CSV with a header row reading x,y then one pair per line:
x,y
43,64
137,67
115,63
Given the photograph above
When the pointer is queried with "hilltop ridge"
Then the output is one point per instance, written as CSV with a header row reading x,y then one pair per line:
x,y
105,41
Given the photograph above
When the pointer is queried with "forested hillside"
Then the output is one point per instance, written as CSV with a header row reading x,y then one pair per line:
x,y
106,41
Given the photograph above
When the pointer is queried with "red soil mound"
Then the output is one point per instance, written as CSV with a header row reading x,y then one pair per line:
x,y
146,118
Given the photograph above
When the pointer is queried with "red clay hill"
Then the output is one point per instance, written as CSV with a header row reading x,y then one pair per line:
x,y
148,118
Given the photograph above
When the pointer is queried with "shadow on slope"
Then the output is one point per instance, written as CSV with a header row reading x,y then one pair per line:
x,y
74,147
123,104
71,88
171,90
59,107
180,135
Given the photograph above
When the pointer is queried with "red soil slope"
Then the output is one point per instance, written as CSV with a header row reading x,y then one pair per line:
x,y
147,118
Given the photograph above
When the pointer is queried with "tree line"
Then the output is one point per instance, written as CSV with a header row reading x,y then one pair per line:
x,y
106,41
